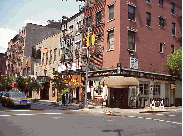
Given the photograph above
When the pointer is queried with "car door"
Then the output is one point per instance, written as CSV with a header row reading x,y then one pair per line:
x,y
6,98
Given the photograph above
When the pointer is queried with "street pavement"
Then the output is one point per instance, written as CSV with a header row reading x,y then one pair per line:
x,y
45,118
65,123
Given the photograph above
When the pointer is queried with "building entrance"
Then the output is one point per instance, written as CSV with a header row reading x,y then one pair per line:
x,y
44,95
119,98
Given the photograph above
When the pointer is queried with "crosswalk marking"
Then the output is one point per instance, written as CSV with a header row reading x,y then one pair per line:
x,y
131,116
148,118
4,115
174,122
171,115
159,114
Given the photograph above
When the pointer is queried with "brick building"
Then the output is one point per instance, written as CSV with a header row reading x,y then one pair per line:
x,y
138,36
19,50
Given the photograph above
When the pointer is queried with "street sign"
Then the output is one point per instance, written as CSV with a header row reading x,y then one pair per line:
x,y
133,63
90,66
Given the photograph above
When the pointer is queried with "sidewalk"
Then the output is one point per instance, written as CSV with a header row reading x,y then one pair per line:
x,y
112,110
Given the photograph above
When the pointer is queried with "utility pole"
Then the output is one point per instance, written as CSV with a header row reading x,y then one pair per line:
x,y
88,43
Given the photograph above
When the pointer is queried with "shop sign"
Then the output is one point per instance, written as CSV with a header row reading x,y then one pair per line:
x,y
133,63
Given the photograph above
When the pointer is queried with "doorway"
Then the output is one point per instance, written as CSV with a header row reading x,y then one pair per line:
x,y
119,98
44,95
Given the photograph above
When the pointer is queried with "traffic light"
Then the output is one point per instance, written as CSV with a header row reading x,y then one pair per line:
x,y
94,39
88,40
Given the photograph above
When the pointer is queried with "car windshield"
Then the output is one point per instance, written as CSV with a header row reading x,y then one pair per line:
x,y
22,95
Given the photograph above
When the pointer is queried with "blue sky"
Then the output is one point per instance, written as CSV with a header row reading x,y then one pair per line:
x,y
14,14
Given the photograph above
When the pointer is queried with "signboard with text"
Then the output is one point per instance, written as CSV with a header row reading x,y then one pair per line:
x,y
133,63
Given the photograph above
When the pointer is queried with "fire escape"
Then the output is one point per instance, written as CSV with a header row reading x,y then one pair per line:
x,y
94,16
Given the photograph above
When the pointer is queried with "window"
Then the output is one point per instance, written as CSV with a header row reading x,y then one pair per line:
x,y
98,1
172,8
53,91
28,71
98,18
172,49
43,58
131,40
156,90
50,56
88,20
148,1
173,29
111,12
88,2
144,89
97,47
45,71
161,3
131,13
111,40
148,19
53,70
46,58
55,51
161,21
161,48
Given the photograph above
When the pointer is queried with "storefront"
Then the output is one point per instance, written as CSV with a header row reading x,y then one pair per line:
x,y
121,91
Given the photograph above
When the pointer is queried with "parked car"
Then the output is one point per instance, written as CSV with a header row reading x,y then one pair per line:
x,y
2,93
14,99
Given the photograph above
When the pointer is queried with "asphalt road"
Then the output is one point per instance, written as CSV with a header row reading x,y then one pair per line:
x,y
28,122
77,124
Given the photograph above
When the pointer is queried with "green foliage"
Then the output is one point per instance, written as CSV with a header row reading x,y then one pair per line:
x,y
174,62
34,85
21,82
6,82
58,82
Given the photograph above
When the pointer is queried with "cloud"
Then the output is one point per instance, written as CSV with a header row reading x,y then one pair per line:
x,y
5,36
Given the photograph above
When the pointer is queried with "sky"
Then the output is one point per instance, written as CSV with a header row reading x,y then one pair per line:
x,y
14,14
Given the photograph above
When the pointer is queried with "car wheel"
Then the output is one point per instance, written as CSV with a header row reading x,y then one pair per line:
x,y
3,104
10,104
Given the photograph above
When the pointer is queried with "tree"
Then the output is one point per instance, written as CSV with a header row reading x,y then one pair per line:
x,y
6,82
59,83
33,85
21,82
174,62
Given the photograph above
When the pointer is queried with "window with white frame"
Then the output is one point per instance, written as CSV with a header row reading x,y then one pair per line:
x,y
131,40
131,12
144,89
156,90
172,8
111,12
172,49
173,29
111,40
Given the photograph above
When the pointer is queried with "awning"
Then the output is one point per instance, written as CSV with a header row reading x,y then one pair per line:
x,y
119,81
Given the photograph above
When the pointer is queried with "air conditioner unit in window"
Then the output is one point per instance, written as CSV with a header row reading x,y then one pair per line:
x,y
131,52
